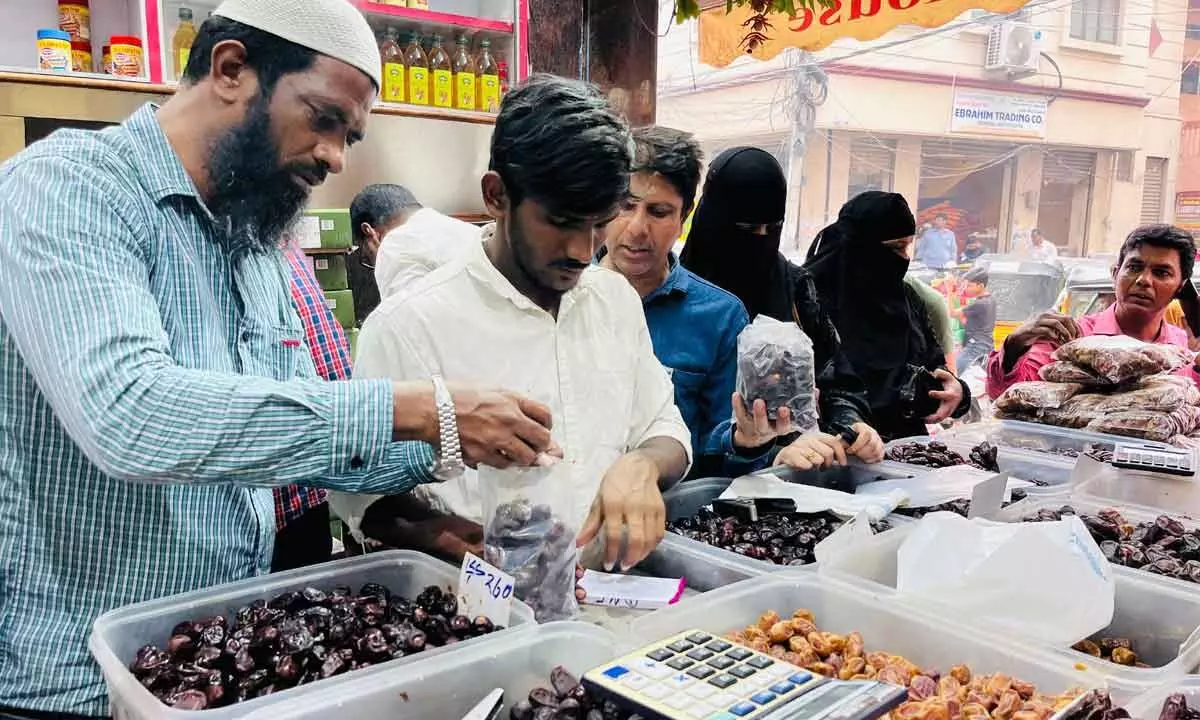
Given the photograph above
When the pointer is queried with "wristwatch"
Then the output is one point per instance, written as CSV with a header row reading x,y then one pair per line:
x,y
449,464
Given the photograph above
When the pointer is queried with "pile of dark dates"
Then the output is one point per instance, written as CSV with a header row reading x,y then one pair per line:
x,y
1176,708
1096,705
565,699
1113,649
535,546
934,454
1163,547
297,638
783,539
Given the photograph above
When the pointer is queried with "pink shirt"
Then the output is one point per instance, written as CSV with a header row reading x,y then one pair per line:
x,y
1042,353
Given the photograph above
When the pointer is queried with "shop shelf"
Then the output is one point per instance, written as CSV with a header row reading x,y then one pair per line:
x,y
1160,619
432,17
926,639
117,635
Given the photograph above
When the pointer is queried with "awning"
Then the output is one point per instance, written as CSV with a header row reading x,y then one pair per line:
x,y
722,36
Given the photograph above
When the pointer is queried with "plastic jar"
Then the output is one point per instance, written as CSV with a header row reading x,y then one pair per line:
x,y
54,51
127,56
106,60
81,57
75,18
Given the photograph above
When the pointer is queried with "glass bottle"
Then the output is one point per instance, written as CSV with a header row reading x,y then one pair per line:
x,y
418,71
464,76
392,57
181,42
441,75
489,79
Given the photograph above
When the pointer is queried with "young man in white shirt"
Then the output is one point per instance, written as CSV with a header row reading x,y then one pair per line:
x,y
528,309
423,240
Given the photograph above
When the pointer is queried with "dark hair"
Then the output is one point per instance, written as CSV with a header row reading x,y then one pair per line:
x,y
941,216
375,205
977,275
674,154
270,56
1163,236
1035,231
559,143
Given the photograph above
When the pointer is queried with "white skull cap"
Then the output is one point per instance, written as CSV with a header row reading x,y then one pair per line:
x,y
331,27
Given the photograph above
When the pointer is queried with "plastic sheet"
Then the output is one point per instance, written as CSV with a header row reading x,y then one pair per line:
x,y
775,365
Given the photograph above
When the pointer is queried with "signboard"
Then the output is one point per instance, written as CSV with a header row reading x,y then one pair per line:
x,y
1187,211
722,35
980,112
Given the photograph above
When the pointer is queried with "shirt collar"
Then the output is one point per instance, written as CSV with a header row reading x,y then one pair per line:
x,y
678,280
1106,324
162,171
480,266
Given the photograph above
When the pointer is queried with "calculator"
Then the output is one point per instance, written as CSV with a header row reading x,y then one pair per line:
x,y
1154,459
697,675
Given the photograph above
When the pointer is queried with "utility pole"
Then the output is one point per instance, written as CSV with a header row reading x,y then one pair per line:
x,y
808,87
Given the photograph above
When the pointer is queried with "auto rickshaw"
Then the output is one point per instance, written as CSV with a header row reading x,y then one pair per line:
x,y
1021,288
1088,289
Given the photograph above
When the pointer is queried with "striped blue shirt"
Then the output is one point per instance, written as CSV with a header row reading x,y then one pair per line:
x,y
155,384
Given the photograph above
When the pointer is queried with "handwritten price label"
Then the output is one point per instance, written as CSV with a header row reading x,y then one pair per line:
x,y
484,589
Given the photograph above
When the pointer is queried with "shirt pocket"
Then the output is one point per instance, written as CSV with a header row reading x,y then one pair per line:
x,y
271,351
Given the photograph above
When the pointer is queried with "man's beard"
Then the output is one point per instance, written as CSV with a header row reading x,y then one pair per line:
x,y
253,197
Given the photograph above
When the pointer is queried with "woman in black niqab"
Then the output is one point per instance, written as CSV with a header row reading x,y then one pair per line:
x,y
734,243
858,265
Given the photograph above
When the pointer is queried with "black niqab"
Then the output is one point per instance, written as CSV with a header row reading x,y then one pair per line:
x,y
861,284
745,186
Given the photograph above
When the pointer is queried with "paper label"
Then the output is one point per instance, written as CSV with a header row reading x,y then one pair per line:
x,y
393,83
418,85
484,590
988,496
489,93
443,89
631,591
308,232
321,263
464,88
331,303
327,225
184,55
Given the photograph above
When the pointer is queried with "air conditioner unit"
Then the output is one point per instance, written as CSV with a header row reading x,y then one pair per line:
x,y
1014,48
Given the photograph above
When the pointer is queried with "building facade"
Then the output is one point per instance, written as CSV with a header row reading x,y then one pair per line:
x,y
1081,142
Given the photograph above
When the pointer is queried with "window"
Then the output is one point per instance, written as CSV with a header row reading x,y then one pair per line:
x,y
1096,20
872,161
1152,190
1189,80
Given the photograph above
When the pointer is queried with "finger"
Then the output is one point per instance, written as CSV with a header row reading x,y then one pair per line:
x,y
783,420
534,435
536,411
638,523
762,423
519,453
794,458
942,395
860,442
838,447
614,529
591,526
740,416
580,594
578,571
943,374
825,452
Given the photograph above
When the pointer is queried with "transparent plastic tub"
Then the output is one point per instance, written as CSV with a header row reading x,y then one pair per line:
x,y
1148,706
1160,620
1053,471
117,635
707,567
1051,440
450,685
1147,492
930,641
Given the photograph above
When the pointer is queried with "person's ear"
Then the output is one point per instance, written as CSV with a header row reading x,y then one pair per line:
x,y
368,232
495,195
232,79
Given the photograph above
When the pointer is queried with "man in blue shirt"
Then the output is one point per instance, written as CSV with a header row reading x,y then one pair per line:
x,y
693,324
938,246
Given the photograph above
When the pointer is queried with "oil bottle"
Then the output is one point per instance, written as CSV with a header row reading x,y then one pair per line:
x,y
489,79
181,42
392,57
441,75
465,94
418,71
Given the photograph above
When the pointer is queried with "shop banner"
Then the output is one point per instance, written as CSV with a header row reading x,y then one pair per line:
x,y
980,112
1187,211
723,35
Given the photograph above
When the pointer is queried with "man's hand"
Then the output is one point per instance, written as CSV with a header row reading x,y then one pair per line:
x,y
950,396
813,450
501,428
869,446
629,500
756,430
1048,327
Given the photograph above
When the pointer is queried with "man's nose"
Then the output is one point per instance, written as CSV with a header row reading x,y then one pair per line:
x,y
639,225
332,155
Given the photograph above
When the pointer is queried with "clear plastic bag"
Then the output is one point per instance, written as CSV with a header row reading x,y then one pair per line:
x,y
1157,396
775,365
1119,359
1148,425
1067,372
528,533
1036,396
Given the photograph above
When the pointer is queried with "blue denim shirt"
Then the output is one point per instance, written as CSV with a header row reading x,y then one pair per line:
x,y
694,327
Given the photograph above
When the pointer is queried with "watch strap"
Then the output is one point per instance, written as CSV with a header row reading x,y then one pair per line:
x,y
449,464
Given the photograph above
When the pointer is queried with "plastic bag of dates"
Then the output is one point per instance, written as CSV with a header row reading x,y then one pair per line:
x,y
1036,395
529,533
1119,359
1066,372
775,365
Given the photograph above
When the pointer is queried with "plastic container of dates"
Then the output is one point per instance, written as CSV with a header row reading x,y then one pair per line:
x,y
707,566
1052,473
1051,440
1142,491
1159,620
119,634
451,685
926,639
1149,705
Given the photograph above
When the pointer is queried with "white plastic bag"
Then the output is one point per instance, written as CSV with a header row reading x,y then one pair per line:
x,y
810,499
1043,580
775,365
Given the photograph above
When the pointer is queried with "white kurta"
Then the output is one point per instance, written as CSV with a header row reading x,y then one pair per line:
x,y
425,242
595,367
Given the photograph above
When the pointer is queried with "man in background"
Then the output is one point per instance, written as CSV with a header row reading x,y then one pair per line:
x,y
422,239
938,246
1039,247
978,319
373,214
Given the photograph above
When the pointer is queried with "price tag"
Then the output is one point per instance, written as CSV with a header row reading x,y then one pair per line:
x,y
988,496
484,590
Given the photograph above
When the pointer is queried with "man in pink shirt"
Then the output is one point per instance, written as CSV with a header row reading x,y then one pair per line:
x,y
1154,268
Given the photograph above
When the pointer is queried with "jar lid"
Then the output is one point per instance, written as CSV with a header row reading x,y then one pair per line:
x,y
53,35
81,46
77,3
126,40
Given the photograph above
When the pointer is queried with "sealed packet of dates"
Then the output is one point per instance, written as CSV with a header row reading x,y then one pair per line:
x,y
775,365
1036,395
529,532
1148,424
1120,359
1068,372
